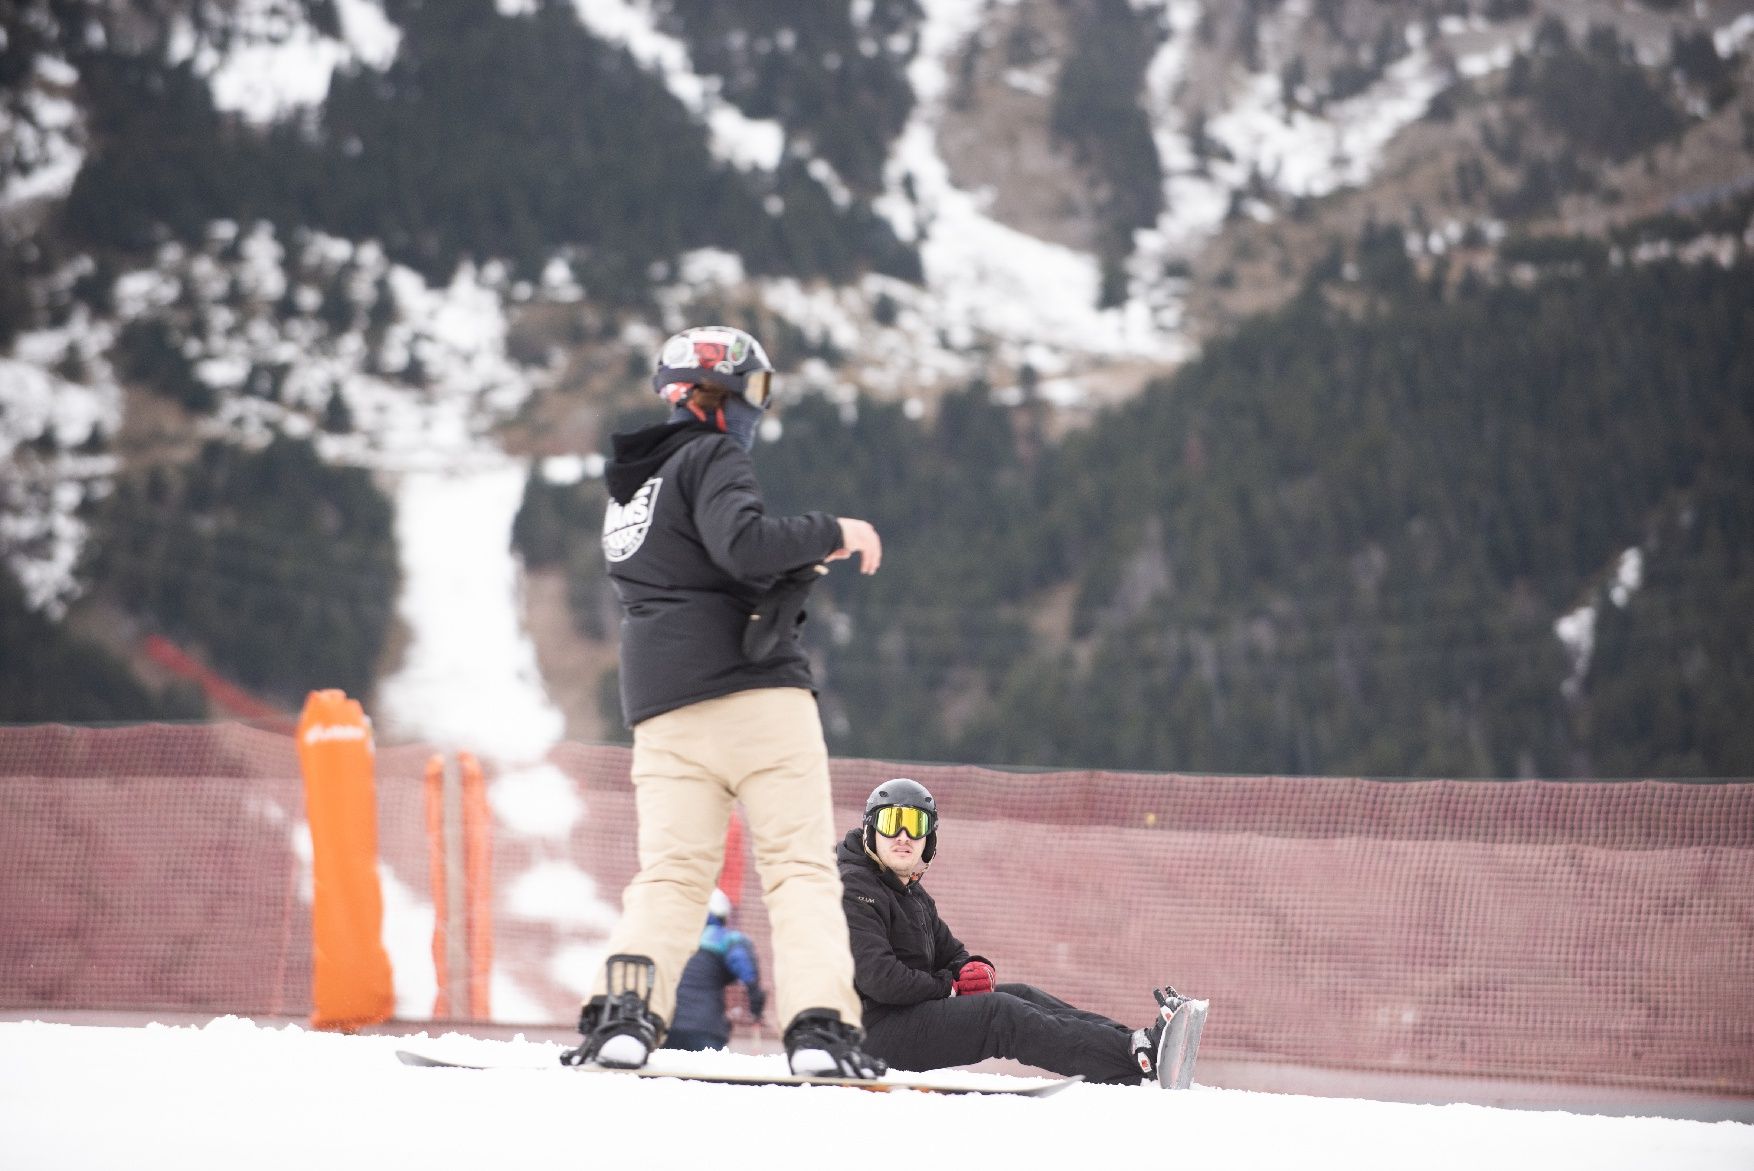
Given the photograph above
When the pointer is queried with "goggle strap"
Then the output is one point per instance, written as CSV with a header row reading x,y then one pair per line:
x,y
758,387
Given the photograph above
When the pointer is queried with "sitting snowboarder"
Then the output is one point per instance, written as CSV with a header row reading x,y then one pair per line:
x,y
928,1003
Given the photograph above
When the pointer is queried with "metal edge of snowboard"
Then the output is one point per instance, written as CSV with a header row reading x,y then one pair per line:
x,y
1041,1090
1179,1048
427,1061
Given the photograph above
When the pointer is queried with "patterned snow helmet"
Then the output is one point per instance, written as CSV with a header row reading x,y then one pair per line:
x,y
714,355
901,793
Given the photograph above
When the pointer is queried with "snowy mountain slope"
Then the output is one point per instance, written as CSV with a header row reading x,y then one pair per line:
x,y
267,60
1257,114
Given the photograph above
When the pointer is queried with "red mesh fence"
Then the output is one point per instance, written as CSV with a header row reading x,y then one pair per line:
x,y
1570,931
151,867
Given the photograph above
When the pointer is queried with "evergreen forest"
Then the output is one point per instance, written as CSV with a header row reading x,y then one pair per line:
x,y
1337,543
279,567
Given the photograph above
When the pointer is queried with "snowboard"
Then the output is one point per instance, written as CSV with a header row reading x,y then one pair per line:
x,y
881,1086
1179,1046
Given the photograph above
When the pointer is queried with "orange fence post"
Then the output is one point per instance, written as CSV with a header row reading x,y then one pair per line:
x,y
435,853
478,880
731,877
351,983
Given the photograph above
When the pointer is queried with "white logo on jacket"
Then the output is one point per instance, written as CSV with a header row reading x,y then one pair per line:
x,y
625,525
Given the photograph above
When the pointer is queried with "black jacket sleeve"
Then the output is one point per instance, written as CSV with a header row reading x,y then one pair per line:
x,y
741,539
877,972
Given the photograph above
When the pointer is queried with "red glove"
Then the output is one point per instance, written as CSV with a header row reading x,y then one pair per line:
x,y
977,976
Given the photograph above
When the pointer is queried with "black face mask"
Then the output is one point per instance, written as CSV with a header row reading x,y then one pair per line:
x,y
741,420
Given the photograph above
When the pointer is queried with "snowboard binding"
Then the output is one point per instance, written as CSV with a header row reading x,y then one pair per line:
x,y
619,1028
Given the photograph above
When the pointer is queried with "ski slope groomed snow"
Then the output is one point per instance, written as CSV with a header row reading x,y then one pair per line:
x,y
234,1094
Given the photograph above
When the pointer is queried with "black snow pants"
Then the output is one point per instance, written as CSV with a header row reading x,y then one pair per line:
x,y
1016,1021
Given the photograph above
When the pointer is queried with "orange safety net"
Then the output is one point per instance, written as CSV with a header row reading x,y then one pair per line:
x,y
222,693
1579,931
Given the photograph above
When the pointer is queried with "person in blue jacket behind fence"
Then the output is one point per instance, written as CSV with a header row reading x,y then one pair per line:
x,y
725,955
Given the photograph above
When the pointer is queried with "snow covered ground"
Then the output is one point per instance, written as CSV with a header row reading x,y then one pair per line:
x,y
235,1094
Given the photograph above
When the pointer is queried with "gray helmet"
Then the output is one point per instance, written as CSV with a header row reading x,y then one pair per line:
x,y
909,794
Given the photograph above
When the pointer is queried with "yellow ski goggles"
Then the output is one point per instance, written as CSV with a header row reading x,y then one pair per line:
x,y
904,819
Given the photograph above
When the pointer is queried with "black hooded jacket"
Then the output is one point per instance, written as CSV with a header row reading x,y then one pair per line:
x,y
903,954
692,553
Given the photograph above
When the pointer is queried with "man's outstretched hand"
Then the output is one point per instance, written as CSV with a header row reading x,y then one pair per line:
x,y
857,536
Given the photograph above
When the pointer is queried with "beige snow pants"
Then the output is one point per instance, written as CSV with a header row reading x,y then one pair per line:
x,y
765,749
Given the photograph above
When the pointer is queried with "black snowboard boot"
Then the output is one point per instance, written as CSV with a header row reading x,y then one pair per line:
x,y
820,1044
1145,1043
620,1030
1148,1040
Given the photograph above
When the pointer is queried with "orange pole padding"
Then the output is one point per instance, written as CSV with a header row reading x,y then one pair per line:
x,y
435,862
351,983
478,881
731,877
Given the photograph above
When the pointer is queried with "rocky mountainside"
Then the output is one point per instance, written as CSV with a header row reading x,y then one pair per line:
x,y
263,260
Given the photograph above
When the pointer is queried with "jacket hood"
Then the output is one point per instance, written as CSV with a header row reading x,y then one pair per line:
x,y
852,848
639,454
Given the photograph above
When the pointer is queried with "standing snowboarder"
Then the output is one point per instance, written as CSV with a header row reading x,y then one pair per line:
x,y
719,693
